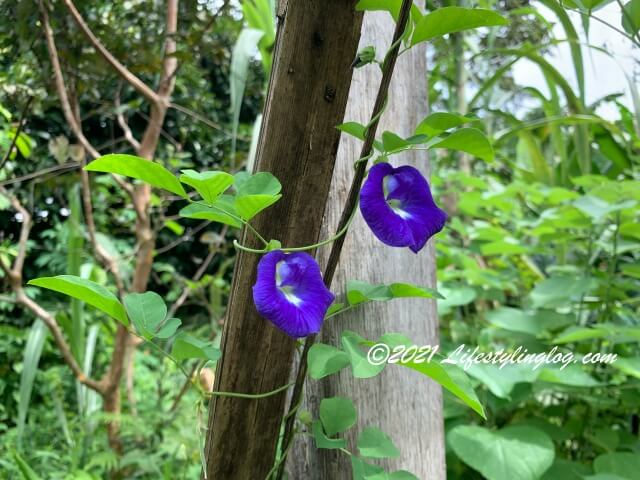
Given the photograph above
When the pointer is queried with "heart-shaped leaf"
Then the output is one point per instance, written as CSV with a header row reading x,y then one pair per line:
x,y
521,452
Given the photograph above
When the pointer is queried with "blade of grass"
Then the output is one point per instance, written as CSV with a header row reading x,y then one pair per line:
x,y
31,358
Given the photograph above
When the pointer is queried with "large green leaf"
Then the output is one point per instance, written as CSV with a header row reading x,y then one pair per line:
x,y
468,140
241,56
448,376
135,167
515,452
374,443
323,441
208,184
631,17
360,365
30,361
187,346
148,312
439,122
87,291
622,464
223,210
255,193
557,291
325,360
337,414
361,292
454,19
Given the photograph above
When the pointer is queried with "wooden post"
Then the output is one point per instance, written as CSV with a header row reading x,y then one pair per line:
x,y
402,403
309,86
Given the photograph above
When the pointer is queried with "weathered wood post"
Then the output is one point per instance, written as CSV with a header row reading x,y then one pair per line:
x,y
316,43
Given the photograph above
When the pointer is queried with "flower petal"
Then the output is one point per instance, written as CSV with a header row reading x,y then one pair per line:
x,y
397,205
290,293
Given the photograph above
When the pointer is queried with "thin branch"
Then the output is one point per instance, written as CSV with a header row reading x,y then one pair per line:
x,y
123,71
60,86
128,134
23,119
186,237
203,119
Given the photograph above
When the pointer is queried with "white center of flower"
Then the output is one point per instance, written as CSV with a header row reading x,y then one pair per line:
x,y
287,290
395,205
289,295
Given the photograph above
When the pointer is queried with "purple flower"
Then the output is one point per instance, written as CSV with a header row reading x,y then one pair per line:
x,y
290,293
397,205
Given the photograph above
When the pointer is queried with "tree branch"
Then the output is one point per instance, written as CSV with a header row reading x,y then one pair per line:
x,y
14,275
123,71
128,134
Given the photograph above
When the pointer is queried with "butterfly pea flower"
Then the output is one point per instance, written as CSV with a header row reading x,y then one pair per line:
x,y
397,205
290,293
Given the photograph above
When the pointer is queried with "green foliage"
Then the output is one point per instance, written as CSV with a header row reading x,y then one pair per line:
x,y
374,443
447,20
337,414
87,291
148,312
135,167
514,452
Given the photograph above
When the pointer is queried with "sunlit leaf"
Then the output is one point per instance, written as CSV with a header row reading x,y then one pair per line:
x,y
135,167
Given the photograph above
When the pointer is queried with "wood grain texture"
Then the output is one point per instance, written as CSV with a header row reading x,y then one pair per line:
x,y
402,403
316,43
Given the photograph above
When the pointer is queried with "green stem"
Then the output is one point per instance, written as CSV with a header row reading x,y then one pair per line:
x,y
250,395
335,237
235,217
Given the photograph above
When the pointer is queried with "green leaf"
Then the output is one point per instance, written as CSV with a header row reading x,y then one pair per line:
x,y
374,443
630,366
451,377
468,140
87,291
241,56
573,375
222,211
337,414
360,365
255,193
360,292
135,167
439,122
454,19
391,6
147,312
23,467
208,184
631,17
557,291
353,128
455,296
187,346
325,360
362,470
322,441
261,183
623,464
249,206
30,361
515,452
